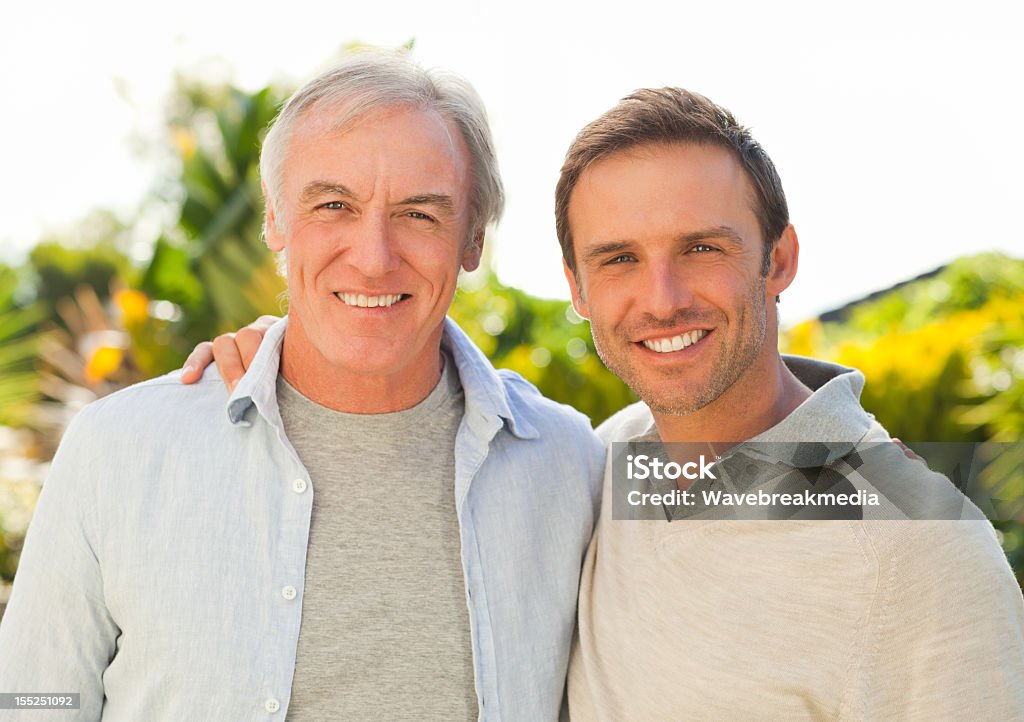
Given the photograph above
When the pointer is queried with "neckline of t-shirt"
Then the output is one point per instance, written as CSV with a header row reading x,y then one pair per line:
x,y
444,394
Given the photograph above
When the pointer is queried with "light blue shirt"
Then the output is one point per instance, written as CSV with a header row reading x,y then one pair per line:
x,y
163,571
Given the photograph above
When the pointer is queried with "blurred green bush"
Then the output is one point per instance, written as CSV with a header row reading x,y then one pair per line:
x,y
944,361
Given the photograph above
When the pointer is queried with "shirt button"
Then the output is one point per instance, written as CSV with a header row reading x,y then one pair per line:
x,y
299,486
272,705
288,592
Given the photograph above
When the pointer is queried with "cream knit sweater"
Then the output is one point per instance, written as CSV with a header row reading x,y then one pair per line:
x,y
787,620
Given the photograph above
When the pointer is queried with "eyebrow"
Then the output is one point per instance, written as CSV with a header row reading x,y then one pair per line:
x,y
439,200
721,233
606,249
317,189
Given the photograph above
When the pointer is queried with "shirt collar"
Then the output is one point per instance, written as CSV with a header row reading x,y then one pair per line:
x,y
485,392
827,425
258,387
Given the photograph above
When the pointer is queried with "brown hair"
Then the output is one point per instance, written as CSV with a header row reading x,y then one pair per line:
x,y
672,115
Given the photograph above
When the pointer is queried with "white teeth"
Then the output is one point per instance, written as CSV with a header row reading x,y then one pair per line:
x,y
675,343
363,301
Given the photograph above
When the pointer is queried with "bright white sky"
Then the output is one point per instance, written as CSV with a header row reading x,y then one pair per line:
x,y
895,126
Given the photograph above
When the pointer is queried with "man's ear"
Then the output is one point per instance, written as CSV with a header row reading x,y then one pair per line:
x,y
474,252
273,237
578,304
785,258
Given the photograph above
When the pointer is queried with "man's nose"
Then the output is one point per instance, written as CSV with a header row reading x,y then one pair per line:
x,y
372,249
666,289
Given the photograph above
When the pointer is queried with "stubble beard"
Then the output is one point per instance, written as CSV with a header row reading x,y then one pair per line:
x,y
666,395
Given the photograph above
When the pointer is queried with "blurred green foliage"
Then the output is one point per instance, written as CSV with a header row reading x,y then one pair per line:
x,y
61,269
212,263
541,339
943,357
20,340
19,347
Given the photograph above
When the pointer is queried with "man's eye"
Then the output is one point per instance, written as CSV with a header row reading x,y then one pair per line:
x,y
703,248
624,258
333,205
418,215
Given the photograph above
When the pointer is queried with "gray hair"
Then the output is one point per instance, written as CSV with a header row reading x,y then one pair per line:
x,y
369,80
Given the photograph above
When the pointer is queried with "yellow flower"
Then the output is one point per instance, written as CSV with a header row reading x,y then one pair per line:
x,y
134,306
102,363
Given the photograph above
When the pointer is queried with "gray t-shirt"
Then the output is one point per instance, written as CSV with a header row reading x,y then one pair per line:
x,y
385,624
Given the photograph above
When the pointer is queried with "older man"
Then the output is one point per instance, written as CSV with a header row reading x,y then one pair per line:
x,y
378,525
676,239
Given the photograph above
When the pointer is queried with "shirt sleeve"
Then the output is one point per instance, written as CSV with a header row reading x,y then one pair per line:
x,y
57,635
946,639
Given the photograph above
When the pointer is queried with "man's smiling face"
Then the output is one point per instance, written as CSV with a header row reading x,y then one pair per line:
x,y
669,256
376,225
